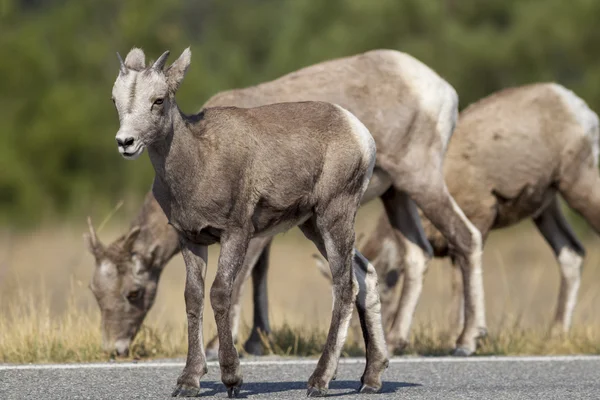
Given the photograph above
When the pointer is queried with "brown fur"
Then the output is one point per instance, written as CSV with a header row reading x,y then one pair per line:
x,y
411,112
510,155
229,174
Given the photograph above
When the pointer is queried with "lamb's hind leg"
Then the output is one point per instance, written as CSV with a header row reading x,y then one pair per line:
x,y
369,312
333,234
569,253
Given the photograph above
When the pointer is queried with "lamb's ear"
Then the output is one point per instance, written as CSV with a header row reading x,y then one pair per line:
x,y
135,59
177,70
130,238
152,255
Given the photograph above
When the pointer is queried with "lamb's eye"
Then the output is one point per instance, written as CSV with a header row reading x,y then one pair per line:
x,y
158,102
113,100
134,295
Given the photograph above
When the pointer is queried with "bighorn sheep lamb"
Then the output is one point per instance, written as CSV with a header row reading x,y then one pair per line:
x,y
228,174
410,112
510,156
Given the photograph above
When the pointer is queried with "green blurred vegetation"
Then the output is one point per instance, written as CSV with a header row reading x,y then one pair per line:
x,y
57,123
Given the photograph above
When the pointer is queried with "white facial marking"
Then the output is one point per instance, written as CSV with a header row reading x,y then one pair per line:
x,y
107,268
138,265
122,345
135,94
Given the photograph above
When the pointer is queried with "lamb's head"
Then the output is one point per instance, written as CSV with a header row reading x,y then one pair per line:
x,y
124,284
145,99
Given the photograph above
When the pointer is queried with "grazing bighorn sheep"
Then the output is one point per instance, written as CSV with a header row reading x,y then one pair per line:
x,y
411,113
510,156
128,270
228,174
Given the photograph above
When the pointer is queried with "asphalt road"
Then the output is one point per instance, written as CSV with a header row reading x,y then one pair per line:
x,y
406,378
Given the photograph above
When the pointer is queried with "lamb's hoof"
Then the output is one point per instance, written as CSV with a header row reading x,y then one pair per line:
x,y
367,389
186,391
233,392
462,352
212,354
316,392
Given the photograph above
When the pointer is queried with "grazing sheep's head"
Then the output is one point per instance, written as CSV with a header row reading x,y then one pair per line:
x,y
145,99
124,284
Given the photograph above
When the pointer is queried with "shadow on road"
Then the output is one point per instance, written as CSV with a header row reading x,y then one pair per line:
x,y
211,388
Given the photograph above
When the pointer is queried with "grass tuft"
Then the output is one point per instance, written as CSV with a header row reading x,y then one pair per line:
x,y
287,340
63,323
29,334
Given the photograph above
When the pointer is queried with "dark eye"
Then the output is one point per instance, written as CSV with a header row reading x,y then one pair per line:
x,y
158,102
113,100
134,295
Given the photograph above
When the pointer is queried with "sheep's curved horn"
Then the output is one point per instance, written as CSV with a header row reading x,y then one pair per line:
x,y
162,60
122,67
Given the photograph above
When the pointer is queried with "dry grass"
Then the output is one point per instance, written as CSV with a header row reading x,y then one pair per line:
x,y
47,313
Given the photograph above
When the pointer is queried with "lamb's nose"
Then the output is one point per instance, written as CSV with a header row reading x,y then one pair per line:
x,y
122,347
125,143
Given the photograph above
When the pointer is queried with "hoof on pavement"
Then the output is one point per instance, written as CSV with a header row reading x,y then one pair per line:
x,y
186,391
367,389
316,392
233,392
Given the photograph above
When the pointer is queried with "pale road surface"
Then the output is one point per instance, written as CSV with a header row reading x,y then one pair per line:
x,y
576,377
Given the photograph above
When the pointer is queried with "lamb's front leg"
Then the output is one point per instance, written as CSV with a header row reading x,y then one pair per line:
x,y
195,257
231,259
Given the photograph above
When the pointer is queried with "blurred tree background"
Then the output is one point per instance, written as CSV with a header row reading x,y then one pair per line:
x,y
57,124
